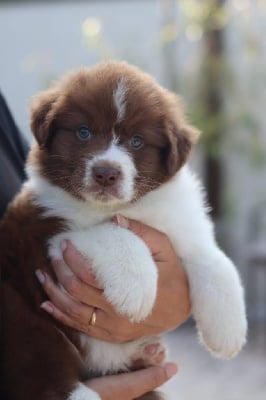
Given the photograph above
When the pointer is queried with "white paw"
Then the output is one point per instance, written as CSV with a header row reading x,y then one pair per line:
x,y
134,297
122,264
127,273
219,310
224,342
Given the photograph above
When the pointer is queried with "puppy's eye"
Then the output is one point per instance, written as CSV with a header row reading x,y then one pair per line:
x,y
136,141
84,133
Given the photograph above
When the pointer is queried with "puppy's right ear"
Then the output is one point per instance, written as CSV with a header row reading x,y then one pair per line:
x,y
42,115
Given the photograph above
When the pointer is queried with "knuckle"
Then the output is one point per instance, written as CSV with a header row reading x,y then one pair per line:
x,y
86,275
162,236
124,334
51,288
69,310
73,285
72,311
76,313
117,338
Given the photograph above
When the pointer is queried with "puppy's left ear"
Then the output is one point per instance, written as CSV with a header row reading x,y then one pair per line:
x,y
42,107
181,141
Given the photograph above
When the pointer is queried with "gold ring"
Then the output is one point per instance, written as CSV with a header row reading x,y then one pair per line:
x,y
93,317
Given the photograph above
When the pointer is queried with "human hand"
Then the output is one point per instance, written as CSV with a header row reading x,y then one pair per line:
x,y
74,307
131,385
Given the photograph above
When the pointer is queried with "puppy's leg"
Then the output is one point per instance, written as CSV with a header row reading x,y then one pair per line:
x,y
217,303
122,264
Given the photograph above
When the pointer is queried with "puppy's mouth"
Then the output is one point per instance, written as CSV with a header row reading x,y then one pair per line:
x,y
105,194
109,184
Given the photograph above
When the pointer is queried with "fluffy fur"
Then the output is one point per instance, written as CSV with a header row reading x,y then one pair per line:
x,y
108,140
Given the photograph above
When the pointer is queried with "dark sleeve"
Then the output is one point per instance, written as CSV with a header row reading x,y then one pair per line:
x,y
13,152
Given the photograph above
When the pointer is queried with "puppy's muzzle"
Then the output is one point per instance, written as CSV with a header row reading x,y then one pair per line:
x,y
105,175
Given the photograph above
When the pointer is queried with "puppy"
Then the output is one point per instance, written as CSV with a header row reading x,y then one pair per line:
x,y
109,140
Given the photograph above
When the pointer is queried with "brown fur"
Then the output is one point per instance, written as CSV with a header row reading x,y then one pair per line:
x,y
81,98
152,396
40,358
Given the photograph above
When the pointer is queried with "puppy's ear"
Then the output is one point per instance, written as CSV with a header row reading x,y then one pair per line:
x,y
42,115
181,141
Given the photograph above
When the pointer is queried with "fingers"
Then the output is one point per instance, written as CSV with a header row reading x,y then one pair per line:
x,y
74,286
75,314
81,324
79,265
138,228
60,300
131,385
71,312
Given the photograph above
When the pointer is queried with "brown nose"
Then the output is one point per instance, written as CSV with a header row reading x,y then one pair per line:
x,y
105,176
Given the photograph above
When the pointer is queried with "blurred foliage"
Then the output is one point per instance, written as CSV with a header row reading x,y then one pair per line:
x,y
238,121
238,116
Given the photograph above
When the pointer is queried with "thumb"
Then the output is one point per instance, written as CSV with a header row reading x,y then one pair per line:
x,y
149,235
132,385
135,226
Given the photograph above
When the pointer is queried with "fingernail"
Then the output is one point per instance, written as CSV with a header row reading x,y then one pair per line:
x,y
63,245
40,276
47,307
171,369
122,221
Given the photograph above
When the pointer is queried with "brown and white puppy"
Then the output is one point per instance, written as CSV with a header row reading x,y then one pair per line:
x,y
108,140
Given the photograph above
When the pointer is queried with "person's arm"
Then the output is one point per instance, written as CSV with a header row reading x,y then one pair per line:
x,y
74,307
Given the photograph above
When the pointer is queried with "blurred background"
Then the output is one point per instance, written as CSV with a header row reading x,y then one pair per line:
x,y
213,53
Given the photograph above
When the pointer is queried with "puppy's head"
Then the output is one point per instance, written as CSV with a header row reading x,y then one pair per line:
x,y
109,134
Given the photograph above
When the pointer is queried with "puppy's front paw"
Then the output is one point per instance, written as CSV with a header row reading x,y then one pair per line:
x,y
133,298
122,264
219,311
125,270
224,341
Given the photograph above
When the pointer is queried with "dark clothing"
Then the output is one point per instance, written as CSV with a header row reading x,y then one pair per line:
x,y
13,152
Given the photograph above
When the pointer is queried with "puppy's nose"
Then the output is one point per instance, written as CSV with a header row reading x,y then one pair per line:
x,y
105,176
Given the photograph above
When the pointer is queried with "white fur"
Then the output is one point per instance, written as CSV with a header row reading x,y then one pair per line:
x,y
105,357
121,263
126,270
59,203
82,392
119,97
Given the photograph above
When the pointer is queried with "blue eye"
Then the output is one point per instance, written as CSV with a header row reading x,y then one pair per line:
x,y
136,141
84,133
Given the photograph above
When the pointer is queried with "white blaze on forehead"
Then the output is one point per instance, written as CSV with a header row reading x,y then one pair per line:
x,y
119,96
